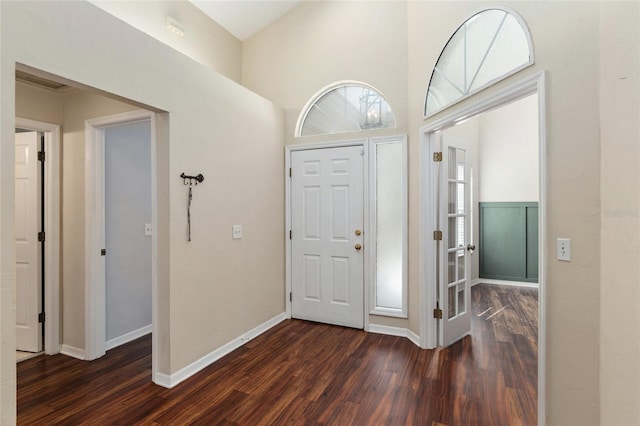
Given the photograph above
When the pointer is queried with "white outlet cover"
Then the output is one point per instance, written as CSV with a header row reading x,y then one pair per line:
x,y
564,249
237,232
148,229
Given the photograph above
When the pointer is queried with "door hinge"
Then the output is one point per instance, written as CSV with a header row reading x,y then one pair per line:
x,y
437,235
290,172
41,156
41,317
290,234
41,236
103,252
437,313
290,297
437,157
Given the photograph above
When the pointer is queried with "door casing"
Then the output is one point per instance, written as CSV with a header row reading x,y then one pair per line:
x,y
95,315
52,229
428,325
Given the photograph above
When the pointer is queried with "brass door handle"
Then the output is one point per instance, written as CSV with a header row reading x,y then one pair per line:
x,y
358,232
358,246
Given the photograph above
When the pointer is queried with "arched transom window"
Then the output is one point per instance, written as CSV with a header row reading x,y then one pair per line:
x,y
488,47
345,107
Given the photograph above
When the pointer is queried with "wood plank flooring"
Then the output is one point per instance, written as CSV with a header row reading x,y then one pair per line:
x,y
306,373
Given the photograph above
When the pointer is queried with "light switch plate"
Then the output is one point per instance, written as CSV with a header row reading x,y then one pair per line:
x,y
237,232
148,229
564,249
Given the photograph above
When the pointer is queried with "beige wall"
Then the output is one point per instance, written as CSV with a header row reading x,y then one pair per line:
x,y
69,109
78,106
620,250
572,289
204,40
212,289
307,49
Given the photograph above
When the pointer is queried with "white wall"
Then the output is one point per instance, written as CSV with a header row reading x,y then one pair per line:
x,y
127,150
509,153
212,289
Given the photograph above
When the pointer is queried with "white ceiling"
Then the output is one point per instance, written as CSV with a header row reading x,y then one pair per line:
x,y
244,18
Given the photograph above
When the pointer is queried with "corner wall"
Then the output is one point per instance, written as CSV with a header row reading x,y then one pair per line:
x,y
212,289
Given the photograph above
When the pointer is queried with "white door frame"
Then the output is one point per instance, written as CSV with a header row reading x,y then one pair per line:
x,y
52,228
95,227
366,241
428,325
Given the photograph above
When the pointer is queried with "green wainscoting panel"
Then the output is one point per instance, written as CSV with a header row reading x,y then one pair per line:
x,y
532,243
509,241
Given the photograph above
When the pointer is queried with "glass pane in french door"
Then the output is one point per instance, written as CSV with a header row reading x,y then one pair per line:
x,y
456,239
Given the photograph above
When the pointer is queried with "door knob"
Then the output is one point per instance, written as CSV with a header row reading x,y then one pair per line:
x,y
471,247
358,246
358,232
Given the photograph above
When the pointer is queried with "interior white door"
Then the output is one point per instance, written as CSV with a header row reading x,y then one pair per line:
x,y
28,248
454,220
327,216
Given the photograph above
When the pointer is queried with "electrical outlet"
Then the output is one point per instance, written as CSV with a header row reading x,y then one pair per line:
x,y
237,232
148,230
564,249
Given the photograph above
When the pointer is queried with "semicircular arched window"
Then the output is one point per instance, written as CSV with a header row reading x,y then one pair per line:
x,y
345,107
486,48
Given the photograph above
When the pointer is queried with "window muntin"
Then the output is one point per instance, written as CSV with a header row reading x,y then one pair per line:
x,y
486,48
346,107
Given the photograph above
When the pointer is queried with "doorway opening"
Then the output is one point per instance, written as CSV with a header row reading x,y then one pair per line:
x,y
69,104
435,267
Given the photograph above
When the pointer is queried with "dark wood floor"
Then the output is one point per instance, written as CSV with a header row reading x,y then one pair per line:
x,y
306,373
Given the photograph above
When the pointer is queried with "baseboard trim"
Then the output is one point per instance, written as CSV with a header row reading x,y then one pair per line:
x,y
169,381
73,352
395,331
504,282
128,337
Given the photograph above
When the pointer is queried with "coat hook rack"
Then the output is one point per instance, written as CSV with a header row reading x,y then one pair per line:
x,y
188,180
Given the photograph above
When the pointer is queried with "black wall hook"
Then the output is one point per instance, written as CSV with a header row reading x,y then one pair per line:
x,y
188,180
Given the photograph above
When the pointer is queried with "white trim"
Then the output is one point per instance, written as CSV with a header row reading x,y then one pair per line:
x,y
414,338
73,352
169,381
504,283
304,112
535,83
364,143
52,229
395,331
372,251
127,337
94,231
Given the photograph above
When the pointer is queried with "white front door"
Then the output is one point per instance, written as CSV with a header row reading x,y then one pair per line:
x,y
28,248
327,216
454,218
